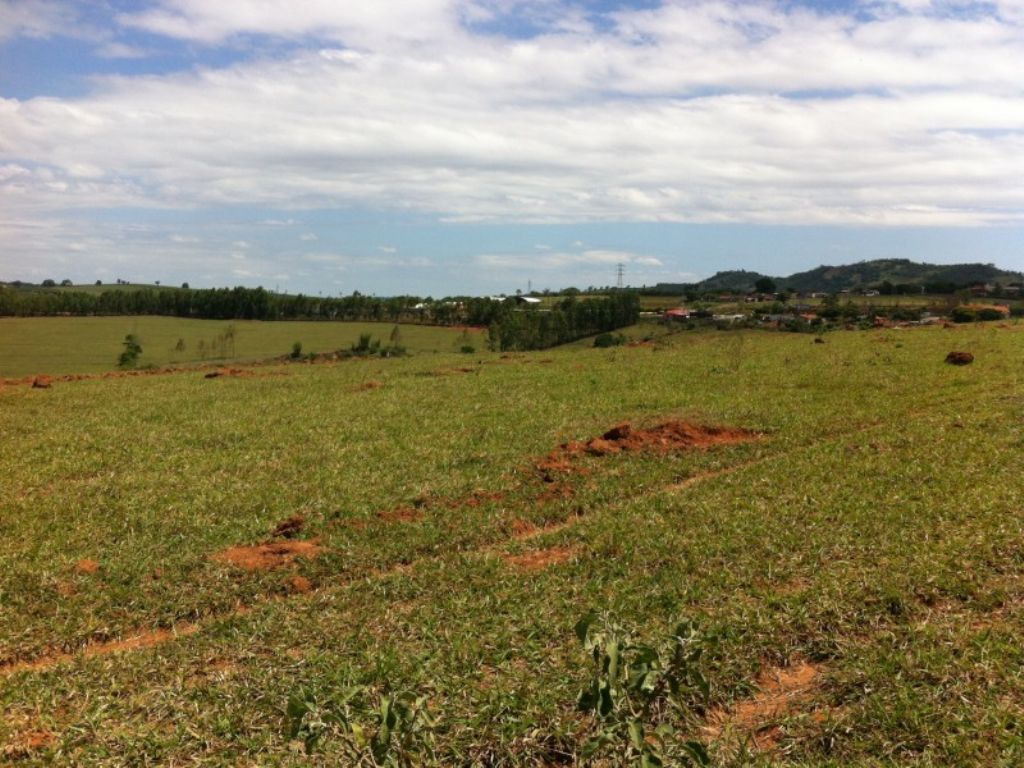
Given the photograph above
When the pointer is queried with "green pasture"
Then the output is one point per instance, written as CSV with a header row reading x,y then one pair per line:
x,y
59,345
875,531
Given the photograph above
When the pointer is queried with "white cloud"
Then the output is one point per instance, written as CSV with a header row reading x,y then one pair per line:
x,y
560,260
115,50
307,237
34,18
686,112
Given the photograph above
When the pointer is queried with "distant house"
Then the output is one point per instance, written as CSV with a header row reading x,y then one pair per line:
x,y
677,313
520,300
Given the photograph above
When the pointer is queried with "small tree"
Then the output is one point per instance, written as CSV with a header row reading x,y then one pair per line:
x,y
765,285
132,349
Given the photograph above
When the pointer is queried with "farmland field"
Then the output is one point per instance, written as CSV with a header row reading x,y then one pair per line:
x,y
850,548
63,345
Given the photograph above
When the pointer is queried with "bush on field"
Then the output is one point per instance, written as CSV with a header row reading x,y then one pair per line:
x,y
132,349
605,340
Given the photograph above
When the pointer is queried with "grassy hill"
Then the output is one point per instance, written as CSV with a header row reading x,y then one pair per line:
x,y
247,570
64,345
832,279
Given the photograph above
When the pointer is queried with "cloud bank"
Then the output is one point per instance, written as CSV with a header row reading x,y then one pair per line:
x,y
886,113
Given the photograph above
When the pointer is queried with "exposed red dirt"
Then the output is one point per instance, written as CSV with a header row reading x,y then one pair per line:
x,y
369,386
400,515
781,692
264,557
132,643
538,560
476,498
290,527
523,529
670,436
556,492
87,566
24,744
300,585
959,358
241,370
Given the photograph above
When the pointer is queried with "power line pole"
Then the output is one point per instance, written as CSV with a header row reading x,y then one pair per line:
x,y
620,270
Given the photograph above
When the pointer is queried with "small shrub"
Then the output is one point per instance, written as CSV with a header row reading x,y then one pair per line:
x,y
132,349
605,340
296,350
964,315
636,692
394,730
467,349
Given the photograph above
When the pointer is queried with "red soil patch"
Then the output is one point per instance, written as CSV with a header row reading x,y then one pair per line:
x,y
400,515
290,527
670,436
24,744
300,585
539,559
523,529
781,691
959,358
42,382
556,492
135,642
87,566
264,557
476,498
369,386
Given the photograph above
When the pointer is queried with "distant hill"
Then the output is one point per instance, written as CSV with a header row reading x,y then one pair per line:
x,y
896,271
865,274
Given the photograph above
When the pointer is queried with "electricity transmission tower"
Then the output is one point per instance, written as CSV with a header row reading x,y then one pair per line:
x,y
620,270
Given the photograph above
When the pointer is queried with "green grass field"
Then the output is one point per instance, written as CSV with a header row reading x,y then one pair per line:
x,y
60,345
857,571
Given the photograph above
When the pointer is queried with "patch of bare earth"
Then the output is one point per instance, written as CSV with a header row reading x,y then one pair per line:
x,y
539,559
756,721
289,528
87,567
400,515
23,745
625,438
131,643
264,557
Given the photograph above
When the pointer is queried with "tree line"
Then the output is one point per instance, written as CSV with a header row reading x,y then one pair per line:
x,y
567,320
246,304
511,326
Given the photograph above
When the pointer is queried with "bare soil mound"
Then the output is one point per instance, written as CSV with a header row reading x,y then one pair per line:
x,y
670,436
959,358
400,515
289,528
264,557
539,559
42,382
87,566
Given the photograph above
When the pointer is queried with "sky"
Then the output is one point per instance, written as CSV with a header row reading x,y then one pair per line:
x,y
442,147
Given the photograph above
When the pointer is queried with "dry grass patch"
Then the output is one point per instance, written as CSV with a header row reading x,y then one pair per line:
x,y
755,721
